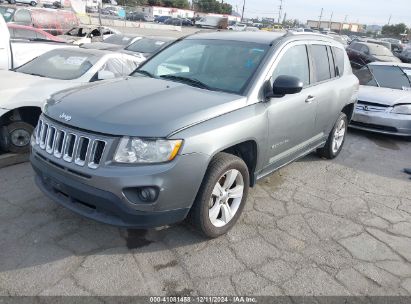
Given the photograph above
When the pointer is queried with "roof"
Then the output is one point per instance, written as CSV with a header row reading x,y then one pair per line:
x,y
399,64
256,37
262,37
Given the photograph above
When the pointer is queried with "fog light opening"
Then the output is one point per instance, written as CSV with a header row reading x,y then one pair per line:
x,y
148,194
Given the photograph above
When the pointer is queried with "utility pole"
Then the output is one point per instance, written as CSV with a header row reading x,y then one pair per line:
x,y
331,20
321,16
280,11
389,20
242,14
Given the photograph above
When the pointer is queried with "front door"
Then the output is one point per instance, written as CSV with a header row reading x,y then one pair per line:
x,y
292,117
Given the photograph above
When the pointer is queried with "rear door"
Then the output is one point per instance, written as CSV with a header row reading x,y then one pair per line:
x,y
326,88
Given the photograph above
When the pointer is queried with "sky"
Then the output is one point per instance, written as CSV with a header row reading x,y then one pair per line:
x,y
362,11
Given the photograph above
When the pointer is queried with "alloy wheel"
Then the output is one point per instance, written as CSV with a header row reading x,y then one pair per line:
x,y
226,198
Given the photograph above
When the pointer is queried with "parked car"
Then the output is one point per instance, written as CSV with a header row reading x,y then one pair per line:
x,y
179,22
384,100
161,19
237,27
32,33
193,128
113,43
405,55
7,12
138,16
53,21
30,2
24,90
16,52
87,34
361,53
147,46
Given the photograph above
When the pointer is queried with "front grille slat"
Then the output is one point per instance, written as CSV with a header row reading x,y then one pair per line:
x,y
71,146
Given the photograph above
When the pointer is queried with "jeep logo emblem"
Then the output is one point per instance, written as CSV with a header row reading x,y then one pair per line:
x,y
65,116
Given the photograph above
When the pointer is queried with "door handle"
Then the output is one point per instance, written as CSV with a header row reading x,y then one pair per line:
x,y
310,98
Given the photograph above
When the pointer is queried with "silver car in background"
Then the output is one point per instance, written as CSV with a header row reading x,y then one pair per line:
x,y
384,100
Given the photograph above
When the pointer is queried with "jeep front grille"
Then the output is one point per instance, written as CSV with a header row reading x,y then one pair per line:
x,y
70,146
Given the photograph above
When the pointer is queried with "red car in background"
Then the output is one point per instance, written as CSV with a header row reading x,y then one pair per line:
x,y
29,32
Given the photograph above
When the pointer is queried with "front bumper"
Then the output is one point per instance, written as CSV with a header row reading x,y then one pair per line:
x,y
100,197
382,122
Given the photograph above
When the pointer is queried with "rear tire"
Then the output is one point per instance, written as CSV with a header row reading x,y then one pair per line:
x,y
222,195
17,137
32,3
336,139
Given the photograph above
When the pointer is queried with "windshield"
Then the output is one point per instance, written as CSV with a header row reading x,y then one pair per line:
x,y
118,39
391,77
7,13
60,64
146,45
215,64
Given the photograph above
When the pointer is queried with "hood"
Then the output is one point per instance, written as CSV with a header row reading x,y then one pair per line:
x,y
139,106
102,46
384,96
18,89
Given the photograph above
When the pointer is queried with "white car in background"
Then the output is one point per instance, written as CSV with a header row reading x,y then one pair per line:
x,y
25,89
87,34
239,27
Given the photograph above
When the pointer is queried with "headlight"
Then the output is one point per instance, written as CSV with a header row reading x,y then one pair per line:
x,y
138,150
402,109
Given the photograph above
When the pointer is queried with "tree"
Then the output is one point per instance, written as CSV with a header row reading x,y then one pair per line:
x,y
212,6
394,30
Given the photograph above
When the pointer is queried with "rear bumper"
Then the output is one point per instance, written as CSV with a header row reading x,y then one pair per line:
x,y
382,122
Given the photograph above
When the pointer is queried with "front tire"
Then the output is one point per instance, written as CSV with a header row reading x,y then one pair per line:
x,y
222,195
336,139
17,137
33,3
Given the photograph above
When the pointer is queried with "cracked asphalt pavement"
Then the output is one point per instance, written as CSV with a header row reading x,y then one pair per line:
x,y
316,227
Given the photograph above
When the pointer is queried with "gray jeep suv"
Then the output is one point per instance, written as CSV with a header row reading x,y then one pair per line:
x,y
193,128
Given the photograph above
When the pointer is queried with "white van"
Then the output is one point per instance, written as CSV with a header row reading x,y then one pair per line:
x,y
212,22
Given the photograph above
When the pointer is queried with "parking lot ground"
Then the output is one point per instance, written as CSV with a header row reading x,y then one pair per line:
x,y
316,227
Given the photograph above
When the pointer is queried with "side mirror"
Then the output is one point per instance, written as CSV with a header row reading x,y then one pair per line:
x,y
103,75
285,85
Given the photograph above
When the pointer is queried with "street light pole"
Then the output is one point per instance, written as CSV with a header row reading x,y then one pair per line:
x,y
242,14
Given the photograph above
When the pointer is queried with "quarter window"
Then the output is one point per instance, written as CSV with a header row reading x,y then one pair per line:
x,y
294,63
331,62
339,60
321,63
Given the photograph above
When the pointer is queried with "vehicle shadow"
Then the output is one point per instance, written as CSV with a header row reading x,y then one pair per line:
x,y
383,155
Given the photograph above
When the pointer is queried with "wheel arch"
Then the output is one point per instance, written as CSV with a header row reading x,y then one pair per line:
x,y
349,111
28,114
246,150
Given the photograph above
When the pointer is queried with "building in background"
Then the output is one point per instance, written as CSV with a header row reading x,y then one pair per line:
x,y
335,26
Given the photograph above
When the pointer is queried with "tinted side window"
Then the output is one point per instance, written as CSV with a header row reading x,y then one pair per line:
x,y
294,63
364,49
339,60
23,17
321,63
355,46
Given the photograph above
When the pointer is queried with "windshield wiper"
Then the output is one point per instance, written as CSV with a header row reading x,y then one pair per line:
x,y
144,72
190,81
